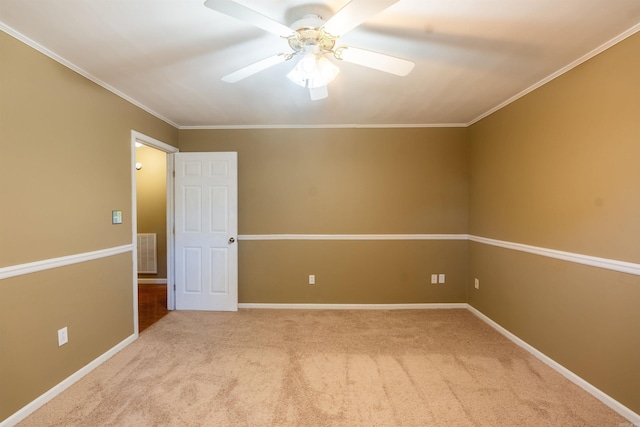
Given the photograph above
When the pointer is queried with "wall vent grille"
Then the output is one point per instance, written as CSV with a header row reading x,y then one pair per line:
x,y
147,253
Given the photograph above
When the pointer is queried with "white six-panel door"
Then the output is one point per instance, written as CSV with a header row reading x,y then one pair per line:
x,y
206,227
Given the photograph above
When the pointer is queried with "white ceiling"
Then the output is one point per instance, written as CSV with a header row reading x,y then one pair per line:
x,y
471,56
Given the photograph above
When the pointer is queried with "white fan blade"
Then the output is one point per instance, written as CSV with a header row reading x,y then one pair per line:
x,y
378,61
254,68
250,16
319,92
353,14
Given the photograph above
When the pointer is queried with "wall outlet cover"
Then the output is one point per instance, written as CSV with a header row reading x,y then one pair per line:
x,y
63,336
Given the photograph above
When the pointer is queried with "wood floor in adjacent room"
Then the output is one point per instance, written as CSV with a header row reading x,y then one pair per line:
x,y
152,304
324,368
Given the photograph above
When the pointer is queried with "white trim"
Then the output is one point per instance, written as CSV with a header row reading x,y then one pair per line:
x,y
606,263
609,264
137,137
83,73
14,33
152,142
65,384
589,388
134,232
353,237
417,306
47,264
146,281
171,294
332,126
631,31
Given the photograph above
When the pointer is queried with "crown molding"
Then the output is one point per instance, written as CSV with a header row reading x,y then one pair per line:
x,y
35,45
631,31
334,126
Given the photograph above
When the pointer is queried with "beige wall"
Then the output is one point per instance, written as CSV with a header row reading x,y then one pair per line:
x,y
559,169
65,153
351,272
151,202
347,181
92,299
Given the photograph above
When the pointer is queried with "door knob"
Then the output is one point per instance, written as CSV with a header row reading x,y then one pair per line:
x,y
231,240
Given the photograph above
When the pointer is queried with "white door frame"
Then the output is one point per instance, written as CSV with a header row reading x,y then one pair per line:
x,y
137,137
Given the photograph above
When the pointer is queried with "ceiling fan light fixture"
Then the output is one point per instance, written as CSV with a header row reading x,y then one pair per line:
x,y
313,71
318,93
328,70
308,64
297,77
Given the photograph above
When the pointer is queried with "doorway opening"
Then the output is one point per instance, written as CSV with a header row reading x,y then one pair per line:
x,y
152,201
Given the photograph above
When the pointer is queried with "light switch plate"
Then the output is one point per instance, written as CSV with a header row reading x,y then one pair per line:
x,y
440,278
116,217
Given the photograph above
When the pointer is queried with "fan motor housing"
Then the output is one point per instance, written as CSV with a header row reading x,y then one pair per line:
x,y
306,38
309,34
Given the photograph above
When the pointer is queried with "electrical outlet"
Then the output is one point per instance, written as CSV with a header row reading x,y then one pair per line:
x,y
476,283
63,336
312,279
440,278
434,279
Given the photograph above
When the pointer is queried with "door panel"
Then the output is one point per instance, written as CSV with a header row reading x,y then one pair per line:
x,y
206,231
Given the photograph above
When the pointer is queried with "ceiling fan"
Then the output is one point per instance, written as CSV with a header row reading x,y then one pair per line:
x,y
313,39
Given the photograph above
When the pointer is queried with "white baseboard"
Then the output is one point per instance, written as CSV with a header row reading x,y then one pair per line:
x,y
145,281
594,391
66,383
418,306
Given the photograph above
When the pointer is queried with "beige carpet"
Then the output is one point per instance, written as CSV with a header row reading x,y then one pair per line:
x,y
324,368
